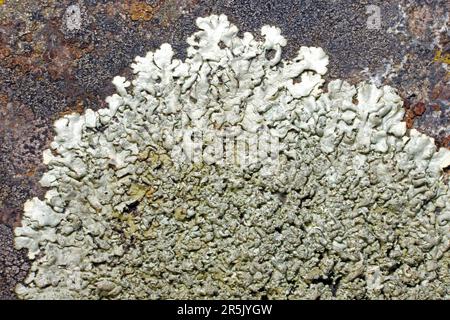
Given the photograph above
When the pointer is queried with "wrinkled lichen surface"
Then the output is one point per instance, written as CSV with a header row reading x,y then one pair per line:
x,y
354,205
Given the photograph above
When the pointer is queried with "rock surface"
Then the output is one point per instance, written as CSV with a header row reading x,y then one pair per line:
x,y
52,63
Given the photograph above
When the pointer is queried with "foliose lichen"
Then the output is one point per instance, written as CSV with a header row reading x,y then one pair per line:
x,y
350,203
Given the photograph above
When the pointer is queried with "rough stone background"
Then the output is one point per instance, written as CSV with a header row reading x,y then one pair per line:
x,y
60,56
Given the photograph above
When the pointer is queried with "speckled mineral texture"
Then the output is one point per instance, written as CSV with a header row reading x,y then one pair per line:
x,y
52,63
13,263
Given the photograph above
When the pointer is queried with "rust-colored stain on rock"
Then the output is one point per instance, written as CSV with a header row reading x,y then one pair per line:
x,y
419,108
140,11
